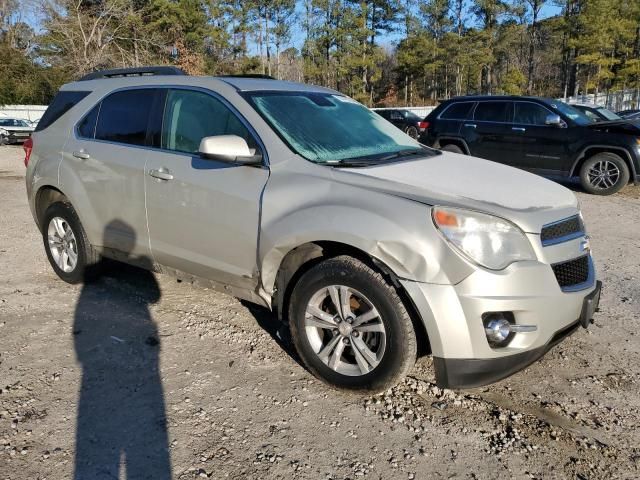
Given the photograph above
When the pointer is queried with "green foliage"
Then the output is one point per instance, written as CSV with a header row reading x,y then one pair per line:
x,y
440,48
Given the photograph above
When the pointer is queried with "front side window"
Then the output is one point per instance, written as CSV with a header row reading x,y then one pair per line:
x,y
124,116
493,112
326,127
190,116
530,114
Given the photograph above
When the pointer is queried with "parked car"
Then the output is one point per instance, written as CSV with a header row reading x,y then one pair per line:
x,y
14,130
372,247
628,113
543,136
596,112
405,120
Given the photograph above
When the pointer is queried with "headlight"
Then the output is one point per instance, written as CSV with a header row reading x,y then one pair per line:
x,y
4,132
489,241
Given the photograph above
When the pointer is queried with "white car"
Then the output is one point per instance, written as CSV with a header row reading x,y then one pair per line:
x,y
14,130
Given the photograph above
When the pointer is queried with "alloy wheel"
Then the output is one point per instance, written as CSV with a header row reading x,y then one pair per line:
x,y
345,330
62,244
603,174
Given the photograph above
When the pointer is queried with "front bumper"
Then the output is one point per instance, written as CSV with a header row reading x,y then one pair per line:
x,y
452,315
473,372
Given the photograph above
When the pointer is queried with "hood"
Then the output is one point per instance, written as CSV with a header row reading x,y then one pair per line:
x,y
451,179
631,127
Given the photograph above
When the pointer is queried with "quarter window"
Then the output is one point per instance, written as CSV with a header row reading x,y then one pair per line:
x,y
61,104
124,116
530,114
493,112
457,111
87,127
190,116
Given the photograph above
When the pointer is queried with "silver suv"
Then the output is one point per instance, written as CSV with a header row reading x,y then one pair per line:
x,y
372,247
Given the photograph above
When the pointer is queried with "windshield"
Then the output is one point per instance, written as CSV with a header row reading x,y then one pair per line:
x,y
325,127
608,114
11,122
571,112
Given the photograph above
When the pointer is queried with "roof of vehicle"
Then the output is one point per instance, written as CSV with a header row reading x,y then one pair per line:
x,y
476,98
240,83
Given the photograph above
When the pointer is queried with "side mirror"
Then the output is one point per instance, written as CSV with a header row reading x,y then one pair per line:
x,y
554,120
228,148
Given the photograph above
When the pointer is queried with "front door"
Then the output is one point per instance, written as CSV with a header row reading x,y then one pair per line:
x,y
203,215
539,147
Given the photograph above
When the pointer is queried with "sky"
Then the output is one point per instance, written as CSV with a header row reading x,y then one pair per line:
x,y
31,14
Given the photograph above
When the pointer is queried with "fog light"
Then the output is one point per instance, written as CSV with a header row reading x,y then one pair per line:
x,y
497,328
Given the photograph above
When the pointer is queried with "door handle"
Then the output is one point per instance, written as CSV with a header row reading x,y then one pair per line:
x,y
161,174
518,129
82,155
470,125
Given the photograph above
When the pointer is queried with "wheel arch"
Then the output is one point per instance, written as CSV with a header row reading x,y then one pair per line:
x,y
592,150
45,196
300,259
460,142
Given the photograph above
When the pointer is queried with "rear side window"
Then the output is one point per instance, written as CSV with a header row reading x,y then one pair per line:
x,y
124,116
87,127
530,113
60,105
493,112
457,111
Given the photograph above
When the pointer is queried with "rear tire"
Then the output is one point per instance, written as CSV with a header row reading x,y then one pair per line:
x,y
367,343
412,132
604,174
452,147
69,252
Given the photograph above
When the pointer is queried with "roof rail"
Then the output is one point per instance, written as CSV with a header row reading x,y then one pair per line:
x,y
133,72
247,75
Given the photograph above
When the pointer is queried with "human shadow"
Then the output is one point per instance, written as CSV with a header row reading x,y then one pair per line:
x,y
121,423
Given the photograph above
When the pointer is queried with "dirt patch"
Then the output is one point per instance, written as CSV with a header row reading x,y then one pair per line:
x,y
224,397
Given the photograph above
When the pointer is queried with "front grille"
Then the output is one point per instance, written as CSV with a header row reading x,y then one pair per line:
x,y
562,231
572,273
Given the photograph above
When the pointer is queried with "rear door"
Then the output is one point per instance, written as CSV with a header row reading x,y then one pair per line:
x,y
106,153
204,215
448,124
485,134
538,147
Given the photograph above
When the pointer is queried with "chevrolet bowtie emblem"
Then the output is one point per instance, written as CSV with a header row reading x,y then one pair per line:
x,y
585,245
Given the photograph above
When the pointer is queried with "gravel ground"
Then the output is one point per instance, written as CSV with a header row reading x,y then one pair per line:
x,y
152,378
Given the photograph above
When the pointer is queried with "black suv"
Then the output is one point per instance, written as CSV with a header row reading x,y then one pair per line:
x,y
541,135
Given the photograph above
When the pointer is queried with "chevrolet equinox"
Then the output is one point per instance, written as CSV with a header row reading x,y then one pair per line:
x,y
370,245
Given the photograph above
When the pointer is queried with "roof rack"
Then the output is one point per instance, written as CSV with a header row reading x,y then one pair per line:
x,y
133,72
247,75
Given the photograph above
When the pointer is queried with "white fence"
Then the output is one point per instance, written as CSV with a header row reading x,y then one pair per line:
x,y
616,101
420,111
25,112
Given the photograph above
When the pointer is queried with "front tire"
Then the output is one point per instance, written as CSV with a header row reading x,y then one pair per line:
x,y
350,327
604,174
69,252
